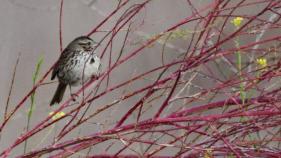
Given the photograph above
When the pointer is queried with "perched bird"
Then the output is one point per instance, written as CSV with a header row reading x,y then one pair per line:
x,y
77,64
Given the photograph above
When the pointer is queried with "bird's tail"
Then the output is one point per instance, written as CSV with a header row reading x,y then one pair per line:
x,y
59,94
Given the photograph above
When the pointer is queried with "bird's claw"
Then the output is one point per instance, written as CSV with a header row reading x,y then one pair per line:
x,y
74,96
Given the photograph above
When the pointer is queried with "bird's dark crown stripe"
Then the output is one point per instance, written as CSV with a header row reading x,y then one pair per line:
x,y
83,37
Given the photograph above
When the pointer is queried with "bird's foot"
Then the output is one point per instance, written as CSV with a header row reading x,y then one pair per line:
x,y
74,97
95,77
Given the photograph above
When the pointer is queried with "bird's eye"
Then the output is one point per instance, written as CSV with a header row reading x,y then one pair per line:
x,y
92,61
88,43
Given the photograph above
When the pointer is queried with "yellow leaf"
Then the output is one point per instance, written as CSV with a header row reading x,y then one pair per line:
x,y
57,115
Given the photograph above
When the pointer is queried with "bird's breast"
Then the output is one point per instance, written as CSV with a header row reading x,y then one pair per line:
x,y
87,66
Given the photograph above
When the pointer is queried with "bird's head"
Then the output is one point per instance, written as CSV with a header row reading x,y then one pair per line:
x,y
84,43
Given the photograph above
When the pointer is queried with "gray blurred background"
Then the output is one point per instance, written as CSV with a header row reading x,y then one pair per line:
x,y
31,28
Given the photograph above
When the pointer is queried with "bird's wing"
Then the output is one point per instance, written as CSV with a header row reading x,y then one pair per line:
x,y
55,69
54,73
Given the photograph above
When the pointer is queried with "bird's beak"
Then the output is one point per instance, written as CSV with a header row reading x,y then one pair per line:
x,y
96,44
